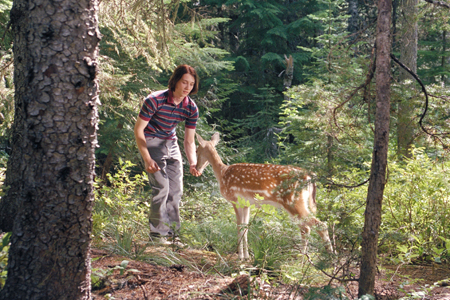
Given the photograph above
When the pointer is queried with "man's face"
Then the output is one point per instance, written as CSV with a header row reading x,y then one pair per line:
x,y
184,86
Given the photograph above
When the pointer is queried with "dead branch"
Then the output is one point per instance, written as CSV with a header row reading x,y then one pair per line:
x,y
439,3
424,90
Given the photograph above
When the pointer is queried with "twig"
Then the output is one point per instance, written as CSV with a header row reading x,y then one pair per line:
x,y
333,277
144,291
349,186
218,272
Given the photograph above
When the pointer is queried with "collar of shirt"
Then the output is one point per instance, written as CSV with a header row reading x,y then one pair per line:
x,y
170,100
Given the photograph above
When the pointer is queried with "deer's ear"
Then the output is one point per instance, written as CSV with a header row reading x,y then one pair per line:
x,y
215,138
200,140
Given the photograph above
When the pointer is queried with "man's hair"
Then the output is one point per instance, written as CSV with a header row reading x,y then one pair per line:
x,y
178,73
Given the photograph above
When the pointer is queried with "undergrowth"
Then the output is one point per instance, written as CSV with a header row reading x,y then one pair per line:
x,y
415,227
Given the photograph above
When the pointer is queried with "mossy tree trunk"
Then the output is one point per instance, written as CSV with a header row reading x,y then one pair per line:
x,y
51,169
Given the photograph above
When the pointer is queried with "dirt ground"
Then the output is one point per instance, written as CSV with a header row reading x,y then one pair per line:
x,y
141,280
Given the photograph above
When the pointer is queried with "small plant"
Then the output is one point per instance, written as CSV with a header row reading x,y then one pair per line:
x,y
4,258
120,210
326,292
100,278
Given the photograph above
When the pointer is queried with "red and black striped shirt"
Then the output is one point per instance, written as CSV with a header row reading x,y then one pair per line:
x,y
163,115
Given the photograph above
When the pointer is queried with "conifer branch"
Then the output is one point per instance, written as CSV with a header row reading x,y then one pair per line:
x,y
369,77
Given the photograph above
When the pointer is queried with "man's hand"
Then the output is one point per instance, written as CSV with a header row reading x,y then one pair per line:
x,y
151,166
194,171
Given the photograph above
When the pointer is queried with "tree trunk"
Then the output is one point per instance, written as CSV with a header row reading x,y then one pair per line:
x,y
408,56
51,169
380,151
288,74
444,58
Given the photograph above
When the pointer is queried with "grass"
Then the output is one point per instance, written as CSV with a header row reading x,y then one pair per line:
x,y
273,242
209,228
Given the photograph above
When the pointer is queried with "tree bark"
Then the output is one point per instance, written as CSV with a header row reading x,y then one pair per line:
x,y
408,56
51,169
380,151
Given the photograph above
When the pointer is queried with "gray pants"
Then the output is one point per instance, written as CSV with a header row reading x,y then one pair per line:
x,y
167,186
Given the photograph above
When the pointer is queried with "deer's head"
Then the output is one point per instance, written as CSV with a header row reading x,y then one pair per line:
x,y
204,150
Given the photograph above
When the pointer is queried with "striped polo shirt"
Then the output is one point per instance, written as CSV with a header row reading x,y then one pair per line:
x,y
163,115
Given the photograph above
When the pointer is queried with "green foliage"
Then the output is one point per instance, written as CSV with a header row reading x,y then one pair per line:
x,y
326,128
267,231
208,223
4,257
120,210
101,278
326,292
142,43
255,128
7,37
258,37
433,51
417,209
5,236
6,75
322,141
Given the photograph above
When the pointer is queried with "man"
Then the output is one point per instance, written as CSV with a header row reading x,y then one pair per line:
x,y
157,142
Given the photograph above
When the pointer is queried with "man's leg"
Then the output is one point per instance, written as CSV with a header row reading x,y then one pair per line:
x,y
174,171
159,182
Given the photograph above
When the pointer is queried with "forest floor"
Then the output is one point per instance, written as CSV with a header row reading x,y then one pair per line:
x,y
149,281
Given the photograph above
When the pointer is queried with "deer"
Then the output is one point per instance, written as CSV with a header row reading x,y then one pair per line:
x,y
281,186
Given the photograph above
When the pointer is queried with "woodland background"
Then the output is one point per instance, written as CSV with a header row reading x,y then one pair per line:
x,y
319,115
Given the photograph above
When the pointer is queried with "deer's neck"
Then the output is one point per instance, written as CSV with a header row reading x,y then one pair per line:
x,y
218,166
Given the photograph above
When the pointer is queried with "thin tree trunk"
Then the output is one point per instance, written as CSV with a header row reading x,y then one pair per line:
x,y
52,173
444,58
380,151
408,56
288,75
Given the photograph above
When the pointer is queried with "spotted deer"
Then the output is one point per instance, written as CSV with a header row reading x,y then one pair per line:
x,y
287,187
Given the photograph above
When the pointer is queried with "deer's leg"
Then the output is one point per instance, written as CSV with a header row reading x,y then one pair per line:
x,y
322,229
242,216
246,216
305,231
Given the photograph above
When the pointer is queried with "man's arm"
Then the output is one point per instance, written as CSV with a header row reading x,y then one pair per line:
x,y
190,149
150,165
